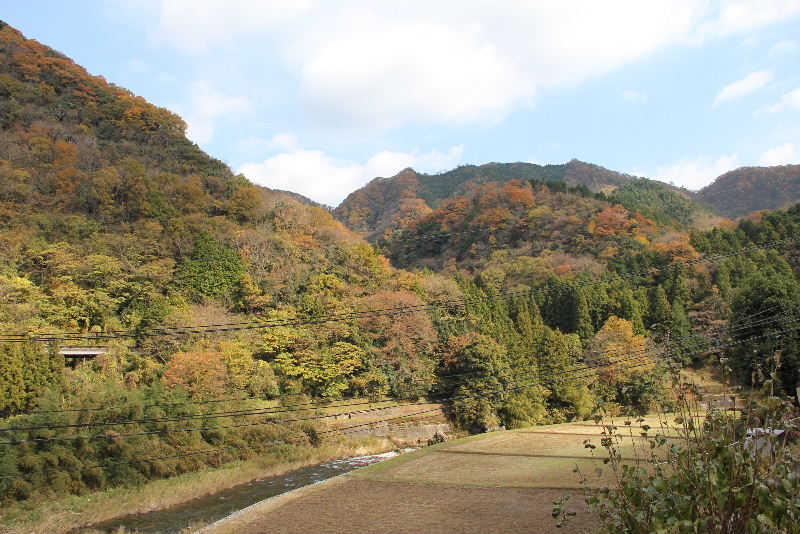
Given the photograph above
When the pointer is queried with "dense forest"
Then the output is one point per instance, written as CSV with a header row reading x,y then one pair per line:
x,y
570,224
117,230
740,192
384,202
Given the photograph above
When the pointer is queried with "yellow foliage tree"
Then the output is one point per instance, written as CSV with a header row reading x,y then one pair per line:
x,y
613,342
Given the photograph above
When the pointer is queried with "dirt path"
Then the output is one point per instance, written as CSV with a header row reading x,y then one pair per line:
x,y
499,482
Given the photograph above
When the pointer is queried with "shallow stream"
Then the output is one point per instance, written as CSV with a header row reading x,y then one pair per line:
x,y
214,507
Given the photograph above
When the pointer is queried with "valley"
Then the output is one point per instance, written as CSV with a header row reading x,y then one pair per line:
x,y
170,328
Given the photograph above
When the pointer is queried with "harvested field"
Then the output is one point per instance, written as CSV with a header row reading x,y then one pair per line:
x,y
358,505
514,471
496,482
539,444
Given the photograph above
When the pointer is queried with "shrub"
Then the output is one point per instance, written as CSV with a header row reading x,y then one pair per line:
x,y
711,477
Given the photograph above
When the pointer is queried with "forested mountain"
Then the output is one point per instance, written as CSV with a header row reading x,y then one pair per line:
x,y
112,221
740,192
298,197
515,218
386,204
105,203
212,294
663,203
384,201
570,224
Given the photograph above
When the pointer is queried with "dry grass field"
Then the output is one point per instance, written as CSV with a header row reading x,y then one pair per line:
x,y
498,482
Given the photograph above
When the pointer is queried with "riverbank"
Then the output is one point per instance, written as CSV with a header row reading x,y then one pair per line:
x,y
501,482
60,515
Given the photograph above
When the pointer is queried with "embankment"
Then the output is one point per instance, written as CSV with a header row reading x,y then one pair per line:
x,y
71,512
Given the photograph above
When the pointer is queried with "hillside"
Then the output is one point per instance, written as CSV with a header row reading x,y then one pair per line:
x,y
296,196
97,180
112,220
384,202
116,230
664,203
740,192
516,218
217,300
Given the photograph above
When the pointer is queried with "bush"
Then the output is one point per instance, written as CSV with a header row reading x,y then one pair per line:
x,y
712,477
53,468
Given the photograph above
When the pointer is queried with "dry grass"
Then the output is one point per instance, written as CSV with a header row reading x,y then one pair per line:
x,y
350,504
63,514
498,482
488,470
710,379
542,445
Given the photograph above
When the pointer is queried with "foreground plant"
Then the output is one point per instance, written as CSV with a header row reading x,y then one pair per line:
x,y
717,472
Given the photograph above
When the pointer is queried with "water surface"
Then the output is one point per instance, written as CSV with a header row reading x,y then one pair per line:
x,y
214,507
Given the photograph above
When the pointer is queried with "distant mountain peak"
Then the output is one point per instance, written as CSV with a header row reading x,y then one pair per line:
x,y
742,191
379,204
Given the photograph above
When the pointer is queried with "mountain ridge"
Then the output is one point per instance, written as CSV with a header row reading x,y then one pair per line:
x,y
742,191
385,202
117,229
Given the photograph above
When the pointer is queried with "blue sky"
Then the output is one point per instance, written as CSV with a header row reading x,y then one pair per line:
x,y
319,97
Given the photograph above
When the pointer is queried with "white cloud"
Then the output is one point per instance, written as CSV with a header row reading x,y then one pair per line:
x,y
476,63
743,16
195,26
380,64
780,155
284,141
695,173
634,96
206,107
309,172
387,163
388,74
788,101
326,179
783,47
743,87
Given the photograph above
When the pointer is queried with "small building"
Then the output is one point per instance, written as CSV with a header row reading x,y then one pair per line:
x,y
73,354
764,440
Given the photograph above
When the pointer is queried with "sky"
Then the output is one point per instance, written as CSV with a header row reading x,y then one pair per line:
x,y
319,97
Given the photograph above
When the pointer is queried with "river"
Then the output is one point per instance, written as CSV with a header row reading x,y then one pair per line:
x,y
213,507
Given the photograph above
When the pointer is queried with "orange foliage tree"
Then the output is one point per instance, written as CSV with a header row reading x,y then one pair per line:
x,y
613,220
202,372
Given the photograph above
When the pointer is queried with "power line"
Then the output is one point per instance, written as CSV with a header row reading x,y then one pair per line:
x,y
400,310
170,419
216,450
203,429
312,404
234,413
635,355
345,429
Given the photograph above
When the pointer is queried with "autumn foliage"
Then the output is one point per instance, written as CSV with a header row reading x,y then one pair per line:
x,y
112,221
